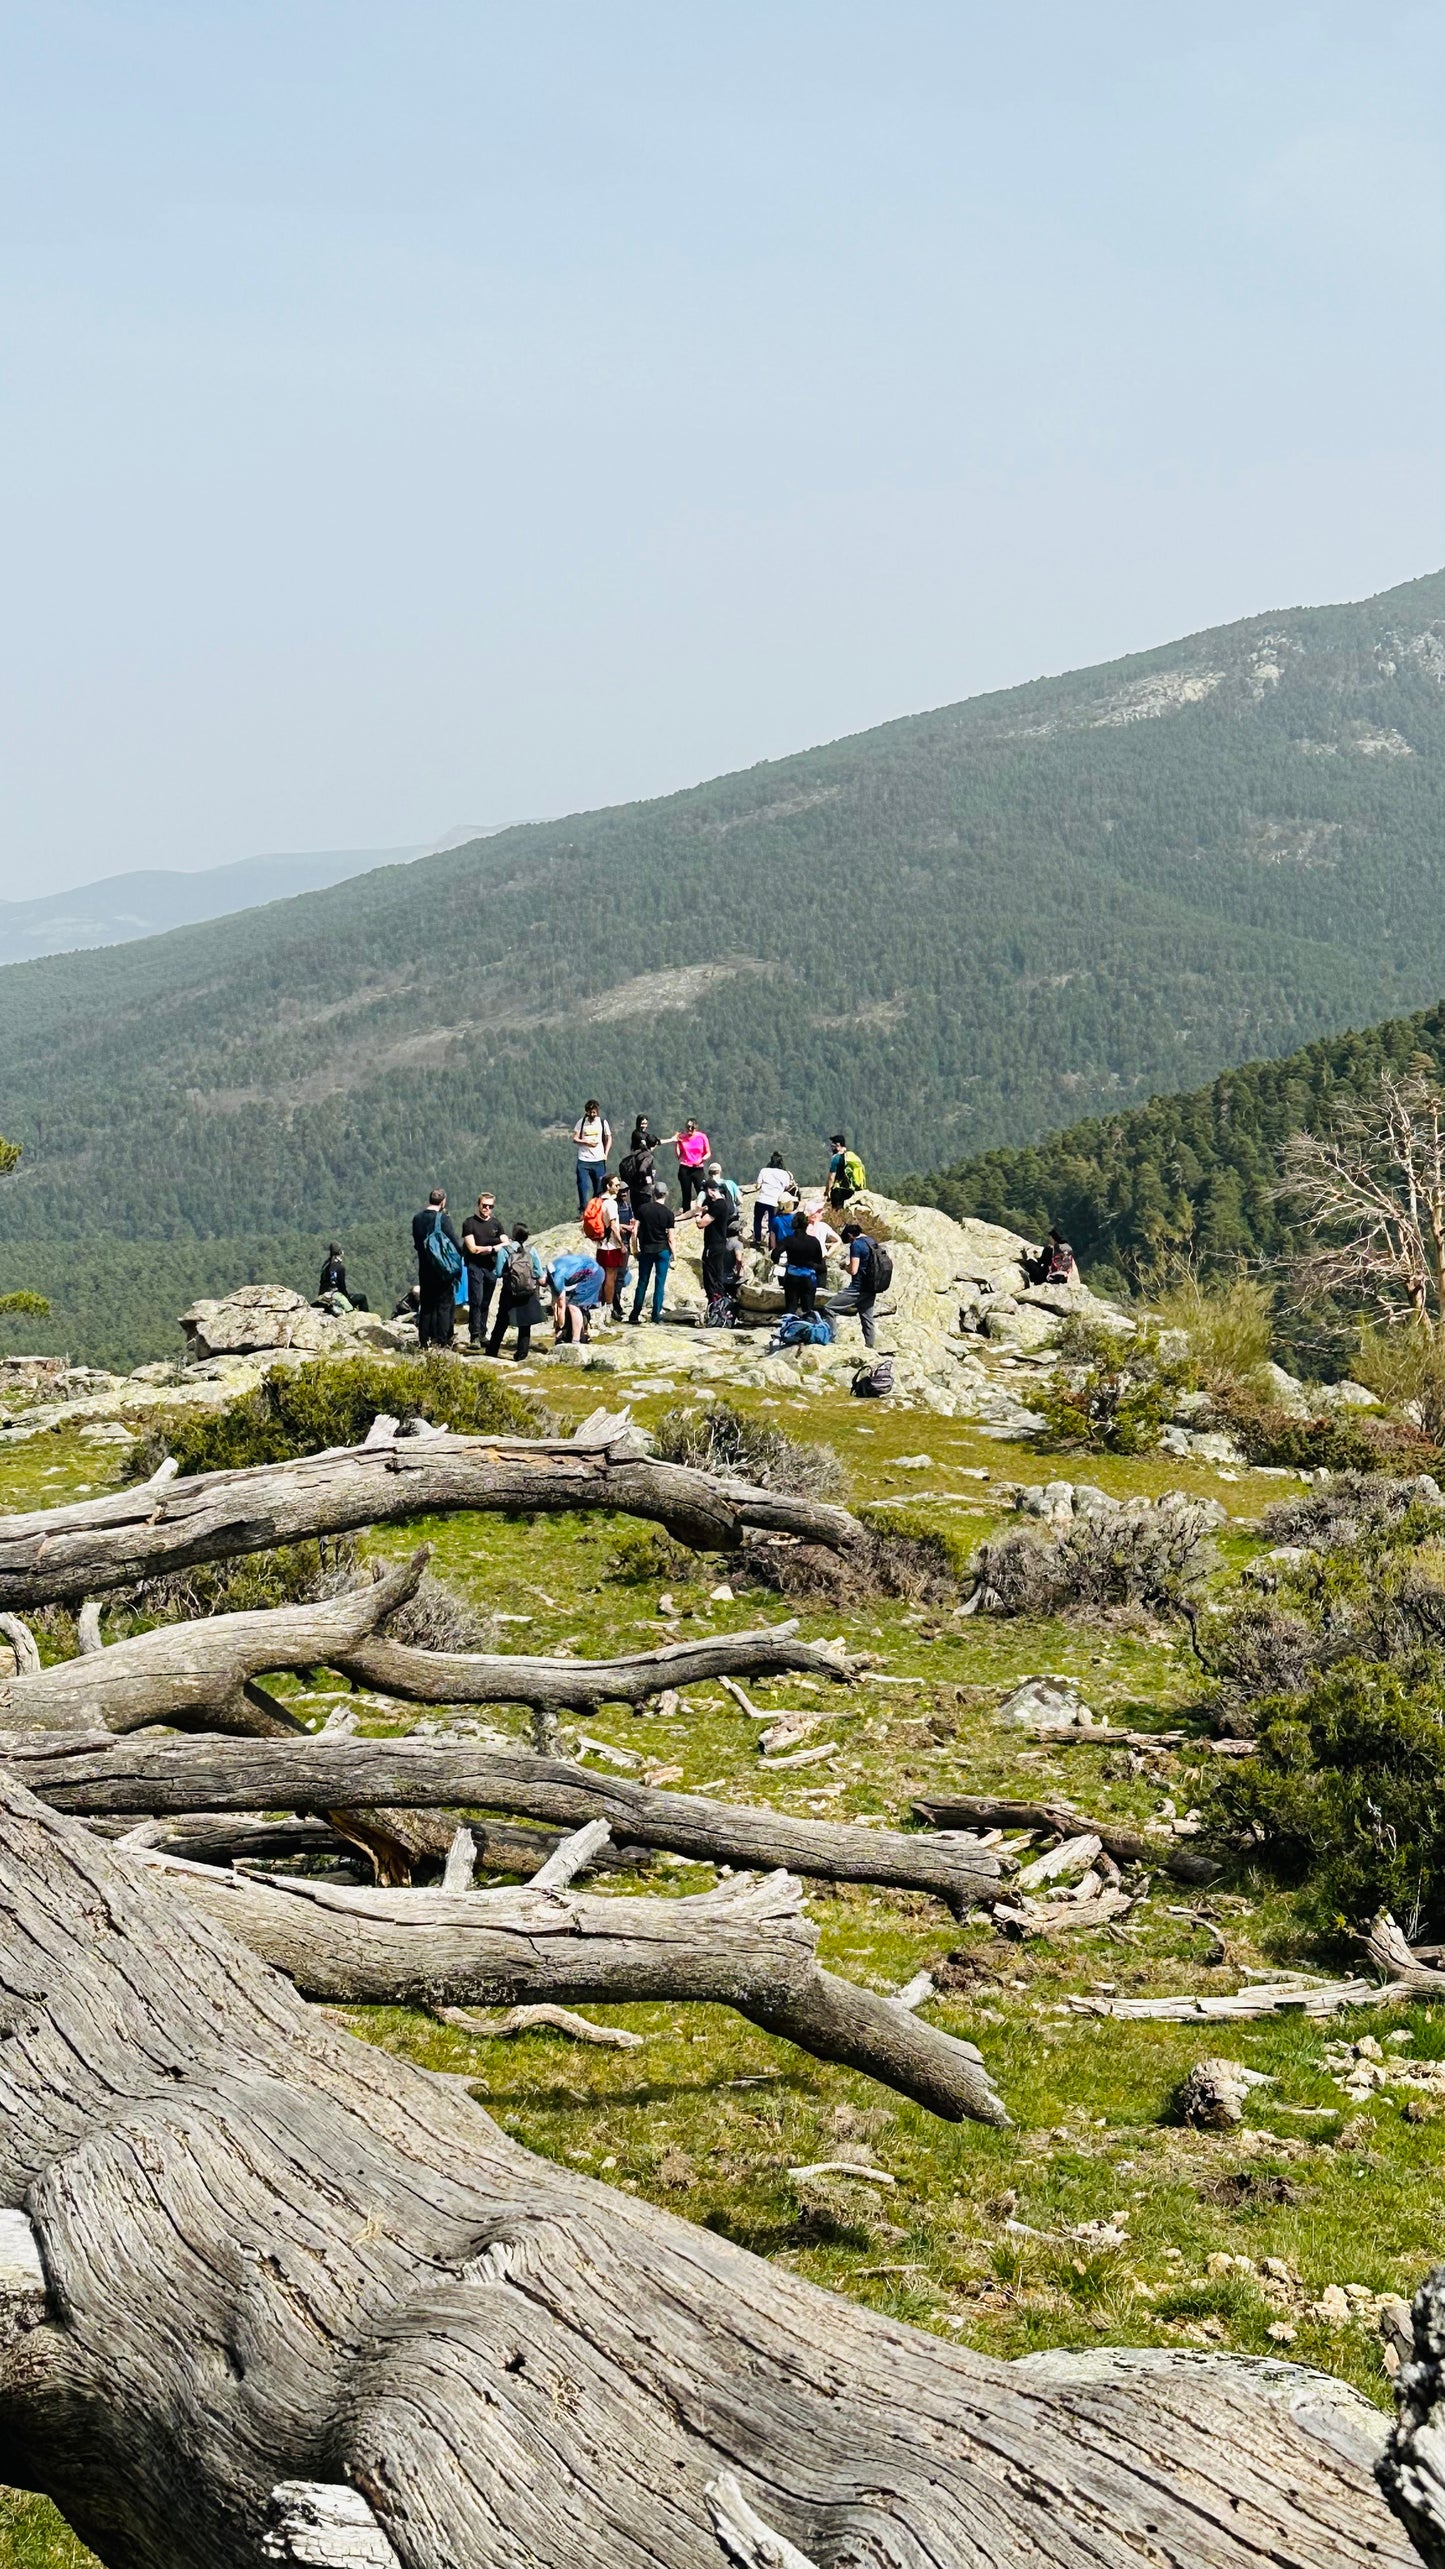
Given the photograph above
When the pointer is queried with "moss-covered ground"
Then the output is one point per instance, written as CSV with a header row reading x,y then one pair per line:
x,y
978,2238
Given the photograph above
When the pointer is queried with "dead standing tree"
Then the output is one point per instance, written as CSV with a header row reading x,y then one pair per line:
x,y
269,2294
1370,1192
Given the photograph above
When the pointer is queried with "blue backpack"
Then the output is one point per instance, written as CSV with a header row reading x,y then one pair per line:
x,y
799,1329
440,1251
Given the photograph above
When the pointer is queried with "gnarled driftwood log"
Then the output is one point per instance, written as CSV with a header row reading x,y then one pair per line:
x,y
269,2281
153,1777
578,1685
746,1945
55,1555
1126,1845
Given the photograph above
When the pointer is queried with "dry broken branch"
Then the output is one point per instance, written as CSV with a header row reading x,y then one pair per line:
x,y
1127,1845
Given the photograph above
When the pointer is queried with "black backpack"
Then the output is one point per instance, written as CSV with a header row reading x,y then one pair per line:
x,y
882,1268
875,1382
635,1171
521,1274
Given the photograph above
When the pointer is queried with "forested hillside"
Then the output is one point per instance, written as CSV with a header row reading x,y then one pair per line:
x,y
952,934
1197,1172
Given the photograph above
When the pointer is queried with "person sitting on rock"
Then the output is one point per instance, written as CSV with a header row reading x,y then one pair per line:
x,y
1052,1264
332,1289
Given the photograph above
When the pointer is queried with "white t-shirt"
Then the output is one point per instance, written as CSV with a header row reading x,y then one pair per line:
x,y
773,1185
591,1137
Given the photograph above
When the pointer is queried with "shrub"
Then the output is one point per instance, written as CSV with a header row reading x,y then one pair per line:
x,y
1228,1324
1358,1507
1267,1433
1110,1394
917,1567
295,1574
1346,1793
715,1437
1156,1561
1405,1368
333,1402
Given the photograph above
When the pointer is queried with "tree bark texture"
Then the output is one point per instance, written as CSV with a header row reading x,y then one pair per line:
x,y
747,1945
286,2280
58,1555
156,1777
194,1675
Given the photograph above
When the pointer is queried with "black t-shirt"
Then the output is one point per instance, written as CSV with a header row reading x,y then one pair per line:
x,y
718,1205
484,1232
654,1222
804,1251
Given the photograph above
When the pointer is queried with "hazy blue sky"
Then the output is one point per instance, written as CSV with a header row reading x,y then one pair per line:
x,y
427,413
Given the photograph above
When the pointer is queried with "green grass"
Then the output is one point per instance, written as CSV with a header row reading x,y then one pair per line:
x,y
709,2116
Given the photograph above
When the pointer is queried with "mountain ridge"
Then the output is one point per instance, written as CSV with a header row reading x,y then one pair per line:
x,y
949,933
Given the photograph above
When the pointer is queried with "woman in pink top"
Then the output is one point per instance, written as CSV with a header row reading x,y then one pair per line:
x,y
693,1150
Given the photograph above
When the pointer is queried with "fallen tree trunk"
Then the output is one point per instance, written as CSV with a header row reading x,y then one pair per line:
x,y
195,1675
56,1555
747,1945
1124,1844
153,1777
580,1685
232,1837
274,2290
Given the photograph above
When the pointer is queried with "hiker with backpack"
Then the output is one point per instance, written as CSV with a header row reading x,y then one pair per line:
x,y
482,1236
804,1268
693,1150
717,1216
519,1299
612,1246
870,1272
652,1237
846,1173
635,1168
775,1183
1053,1264
593,1136
440,1266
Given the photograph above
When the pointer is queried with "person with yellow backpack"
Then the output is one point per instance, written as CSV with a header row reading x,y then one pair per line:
x,y
846,1173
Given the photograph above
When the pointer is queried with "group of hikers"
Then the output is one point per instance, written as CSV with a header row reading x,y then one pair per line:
x,y
627,1216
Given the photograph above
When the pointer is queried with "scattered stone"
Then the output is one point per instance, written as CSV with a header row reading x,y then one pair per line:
x,y
1216,2091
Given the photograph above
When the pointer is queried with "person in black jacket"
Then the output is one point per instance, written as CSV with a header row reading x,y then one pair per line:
x,y
436,1312
333,1274
804,1269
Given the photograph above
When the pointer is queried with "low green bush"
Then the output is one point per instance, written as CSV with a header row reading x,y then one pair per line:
x,y
1110,1394
305,1409
1266,1433
1156,1561
1345,1794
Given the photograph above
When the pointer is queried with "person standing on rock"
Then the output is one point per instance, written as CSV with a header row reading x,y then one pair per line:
x,y
593,1136
612,1250
846,1173
860,1294
519,1300
804,1268
482,1235
439,1263
717,1214
652,1236
693,1148
774,1183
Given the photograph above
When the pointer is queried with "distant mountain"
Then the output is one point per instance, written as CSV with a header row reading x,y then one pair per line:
x,y
948,935
126,906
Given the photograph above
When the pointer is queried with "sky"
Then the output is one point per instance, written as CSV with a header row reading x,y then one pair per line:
x,y
441,413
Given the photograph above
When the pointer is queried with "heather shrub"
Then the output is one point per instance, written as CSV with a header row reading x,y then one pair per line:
x,y
308,1408
712,1436
1155,1561
1109,1394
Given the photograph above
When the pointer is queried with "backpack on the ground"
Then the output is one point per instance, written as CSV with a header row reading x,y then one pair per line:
x,y
721,1313
882,1268
804,1329
594,1219
521,1274
874,1382
442,1252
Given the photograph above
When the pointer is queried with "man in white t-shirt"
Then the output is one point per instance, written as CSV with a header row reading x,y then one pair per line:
x,y
774,1183
593,1136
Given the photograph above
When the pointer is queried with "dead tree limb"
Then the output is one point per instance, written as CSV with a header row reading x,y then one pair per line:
x,y
1388,1946
235,1837
747,1945
275,2278
56,1555
1126,1845
579,1685
194,1675
154,1777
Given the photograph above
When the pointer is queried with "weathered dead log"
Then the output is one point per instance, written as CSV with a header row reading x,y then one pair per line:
x,y
194,1675
273,2281
1388,1946
52,1555
153,1777
1126,1845
579,1685
747,1945
233,1837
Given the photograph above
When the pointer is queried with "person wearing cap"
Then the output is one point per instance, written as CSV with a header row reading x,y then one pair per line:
x,y
860,1294
482,1235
